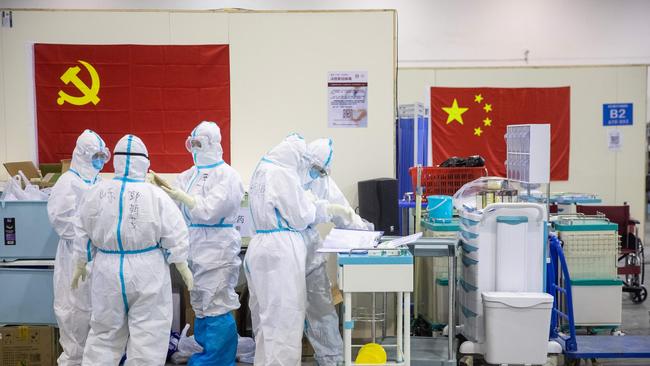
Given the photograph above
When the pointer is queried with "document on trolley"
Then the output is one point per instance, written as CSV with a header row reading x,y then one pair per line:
x,y
344,241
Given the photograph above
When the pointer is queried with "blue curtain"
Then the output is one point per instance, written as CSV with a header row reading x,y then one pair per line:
x,y
411,117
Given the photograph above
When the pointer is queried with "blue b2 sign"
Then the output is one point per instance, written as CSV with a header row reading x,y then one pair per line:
x,y
617,114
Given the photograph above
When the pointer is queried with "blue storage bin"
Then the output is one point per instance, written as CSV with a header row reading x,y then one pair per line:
x,y
33,237
27,295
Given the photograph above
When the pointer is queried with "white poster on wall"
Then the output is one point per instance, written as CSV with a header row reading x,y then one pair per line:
x,y
614,140
347,94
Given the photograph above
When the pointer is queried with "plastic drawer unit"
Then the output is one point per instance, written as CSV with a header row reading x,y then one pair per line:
x,y
26,231
365,273
28,293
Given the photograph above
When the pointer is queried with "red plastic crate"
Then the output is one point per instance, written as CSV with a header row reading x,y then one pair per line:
x,y
444,181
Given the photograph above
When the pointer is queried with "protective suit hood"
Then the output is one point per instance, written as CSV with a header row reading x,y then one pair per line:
x,y
213,153
289,153
88,143
320,153
131,158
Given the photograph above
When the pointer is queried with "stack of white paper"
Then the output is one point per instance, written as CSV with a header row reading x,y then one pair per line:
x,y
405,240
340,240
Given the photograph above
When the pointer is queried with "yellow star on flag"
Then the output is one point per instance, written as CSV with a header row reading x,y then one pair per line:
x,y
478,98
478,131
487,122
454,113
487,107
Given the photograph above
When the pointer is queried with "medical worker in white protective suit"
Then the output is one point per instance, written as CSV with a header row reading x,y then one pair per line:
x,y
137,230
275,262
322,325
210,194
72,307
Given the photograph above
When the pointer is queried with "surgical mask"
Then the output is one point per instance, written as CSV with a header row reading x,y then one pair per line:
x,y
98,163
99,159
316,172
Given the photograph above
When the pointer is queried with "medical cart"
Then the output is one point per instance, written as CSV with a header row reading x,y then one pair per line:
x,y
366,273
27,249
430,297
591,249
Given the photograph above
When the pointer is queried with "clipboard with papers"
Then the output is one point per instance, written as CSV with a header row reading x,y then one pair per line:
x,y
347,241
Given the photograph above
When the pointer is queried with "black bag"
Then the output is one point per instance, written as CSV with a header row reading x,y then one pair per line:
x,y
475,161
453,162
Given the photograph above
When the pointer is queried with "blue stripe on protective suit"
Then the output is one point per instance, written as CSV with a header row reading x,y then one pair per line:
x,y
89,256
119,223
129,252
282,225
129,180
220,224
87,181
209,166
329,157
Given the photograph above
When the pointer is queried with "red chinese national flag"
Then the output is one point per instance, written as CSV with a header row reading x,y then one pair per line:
x,y
472,121
159,93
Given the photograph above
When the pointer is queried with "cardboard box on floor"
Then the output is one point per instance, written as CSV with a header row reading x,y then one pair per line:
x,y
33,174
28,345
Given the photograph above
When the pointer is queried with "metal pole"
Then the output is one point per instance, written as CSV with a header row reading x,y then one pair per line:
x,y
385,308
347,327
407,328
399,331
416,225
451,323
373,322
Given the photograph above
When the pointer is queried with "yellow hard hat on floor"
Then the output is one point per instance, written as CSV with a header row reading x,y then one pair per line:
x,y
371,353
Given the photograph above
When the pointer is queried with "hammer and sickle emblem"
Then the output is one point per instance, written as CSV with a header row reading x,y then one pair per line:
x,y
89,94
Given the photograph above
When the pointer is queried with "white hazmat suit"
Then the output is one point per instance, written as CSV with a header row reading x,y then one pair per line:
x,y
275,261
322,325
72,307
137,230
216,192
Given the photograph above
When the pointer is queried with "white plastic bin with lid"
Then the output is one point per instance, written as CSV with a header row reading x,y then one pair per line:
x,y
517,327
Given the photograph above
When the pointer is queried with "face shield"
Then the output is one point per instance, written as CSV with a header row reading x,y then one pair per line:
x,y
197,143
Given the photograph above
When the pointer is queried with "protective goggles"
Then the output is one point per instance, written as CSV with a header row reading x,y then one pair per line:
x,y
317,172
104,155
196,143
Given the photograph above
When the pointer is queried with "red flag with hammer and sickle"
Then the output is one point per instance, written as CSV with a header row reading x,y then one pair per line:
x,y
472,121
159,93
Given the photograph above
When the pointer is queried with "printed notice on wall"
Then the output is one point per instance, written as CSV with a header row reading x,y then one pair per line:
x,y
614,140
347,93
